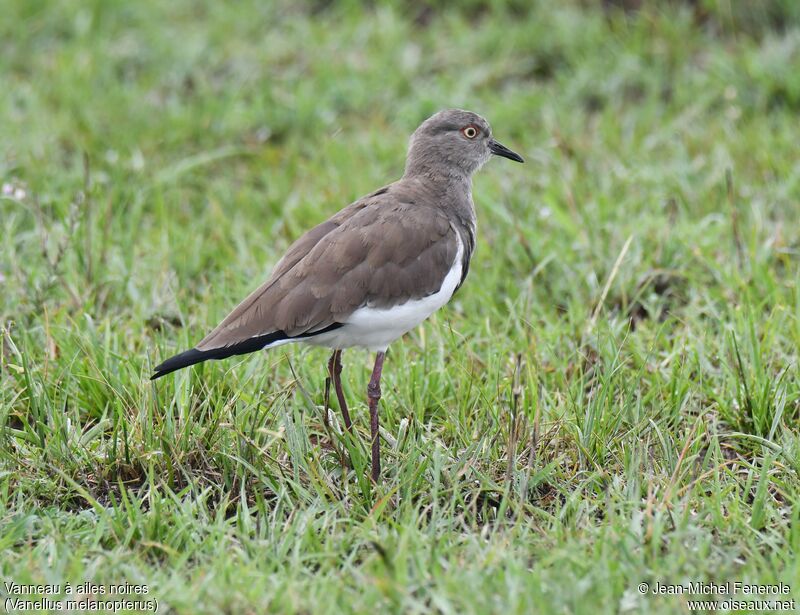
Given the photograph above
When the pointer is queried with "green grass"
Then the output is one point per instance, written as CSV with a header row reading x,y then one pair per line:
x,y
612,398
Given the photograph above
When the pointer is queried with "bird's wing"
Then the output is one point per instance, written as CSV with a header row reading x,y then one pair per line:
x,y
380,251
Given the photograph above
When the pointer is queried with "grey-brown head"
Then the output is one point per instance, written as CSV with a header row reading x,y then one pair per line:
x,y
453,142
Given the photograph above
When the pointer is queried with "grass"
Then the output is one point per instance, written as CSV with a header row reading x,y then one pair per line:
x,y
612,398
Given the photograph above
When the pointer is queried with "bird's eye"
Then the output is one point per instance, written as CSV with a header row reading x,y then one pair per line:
x,y
470,132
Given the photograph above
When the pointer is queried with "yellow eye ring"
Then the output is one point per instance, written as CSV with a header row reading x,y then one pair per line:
x,y
470,132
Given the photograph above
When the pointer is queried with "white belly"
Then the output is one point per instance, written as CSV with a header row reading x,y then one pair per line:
x,y
376,328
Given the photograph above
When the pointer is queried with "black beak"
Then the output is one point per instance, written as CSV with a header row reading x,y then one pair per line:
x,y
498,149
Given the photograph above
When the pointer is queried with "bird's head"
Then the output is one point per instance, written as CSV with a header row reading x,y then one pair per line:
x,y
453,142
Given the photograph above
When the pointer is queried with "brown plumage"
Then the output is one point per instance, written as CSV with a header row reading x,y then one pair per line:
x,y
374,270
382,250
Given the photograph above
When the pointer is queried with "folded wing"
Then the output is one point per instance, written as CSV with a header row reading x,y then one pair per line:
x,y
380,251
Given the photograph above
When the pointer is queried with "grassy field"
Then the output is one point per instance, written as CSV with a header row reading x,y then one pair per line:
x,y
611,399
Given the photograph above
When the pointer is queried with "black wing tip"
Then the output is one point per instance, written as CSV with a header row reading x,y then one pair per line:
x,y
179,361
193,356
190,357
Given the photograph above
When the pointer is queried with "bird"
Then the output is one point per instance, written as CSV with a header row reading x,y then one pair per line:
x,y
373,271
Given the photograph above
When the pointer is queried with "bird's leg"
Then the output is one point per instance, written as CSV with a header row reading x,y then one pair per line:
x,y
327,399
335,371
374,395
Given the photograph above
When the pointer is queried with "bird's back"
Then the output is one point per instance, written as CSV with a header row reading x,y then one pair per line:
x,y
389,247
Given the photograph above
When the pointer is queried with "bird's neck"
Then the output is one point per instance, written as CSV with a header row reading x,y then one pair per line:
x,y
439,177
436,167
448,191
443,186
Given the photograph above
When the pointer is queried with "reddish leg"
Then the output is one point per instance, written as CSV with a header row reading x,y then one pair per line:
x,y
327,400
335,371
374,395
